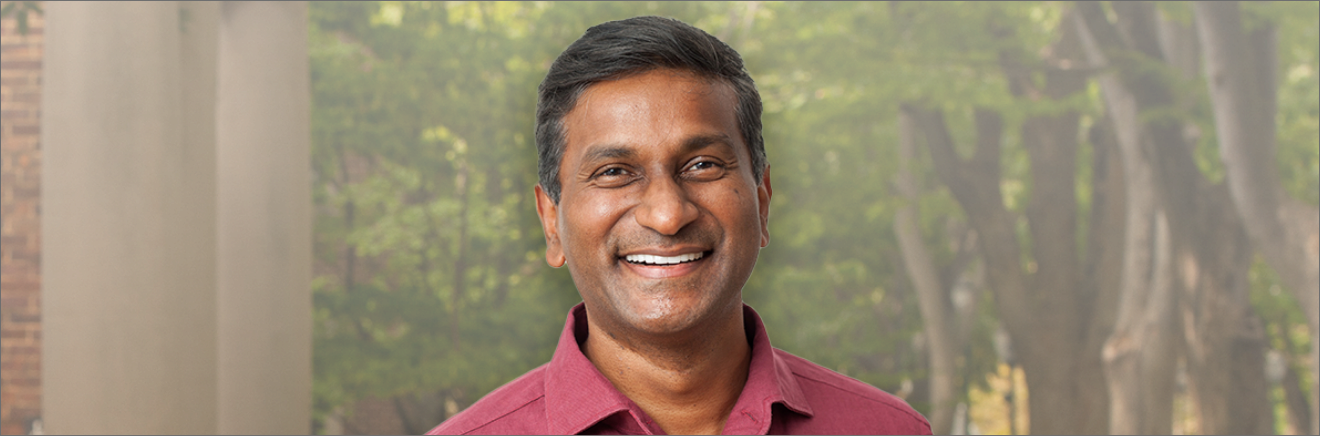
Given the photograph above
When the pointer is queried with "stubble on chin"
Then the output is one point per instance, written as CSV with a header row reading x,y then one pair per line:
x,y
677,309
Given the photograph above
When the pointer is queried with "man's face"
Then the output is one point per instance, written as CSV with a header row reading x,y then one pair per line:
x,y
660,218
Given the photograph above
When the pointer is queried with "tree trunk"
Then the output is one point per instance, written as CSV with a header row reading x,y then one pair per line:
x,y
1106,239
1283,229
936,315
1223,336
1054,313
459,289
1139,356
1051,347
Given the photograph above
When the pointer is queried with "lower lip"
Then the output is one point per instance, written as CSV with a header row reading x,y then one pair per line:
x,y
664,271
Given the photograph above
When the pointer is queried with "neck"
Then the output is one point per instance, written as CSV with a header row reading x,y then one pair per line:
x,y
688,384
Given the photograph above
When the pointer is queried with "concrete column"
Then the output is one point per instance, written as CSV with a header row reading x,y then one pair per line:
x,y
264,222
128,255
177,218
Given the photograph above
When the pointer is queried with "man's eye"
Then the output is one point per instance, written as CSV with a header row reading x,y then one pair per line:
x,y
704,170
613,177
702,166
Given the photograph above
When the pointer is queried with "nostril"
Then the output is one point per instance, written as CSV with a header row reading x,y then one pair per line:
x,y
667,219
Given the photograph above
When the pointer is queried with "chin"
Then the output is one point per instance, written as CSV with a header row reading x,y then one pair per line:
x,y
669,315
661,307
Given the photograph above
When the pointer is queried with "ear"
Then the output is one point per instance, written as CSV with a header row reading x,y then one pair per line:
x,y
549,213
763,193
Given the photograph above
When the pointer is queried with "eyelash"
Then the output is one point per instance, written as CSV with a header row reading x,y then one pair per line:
x,y
607,171
712,164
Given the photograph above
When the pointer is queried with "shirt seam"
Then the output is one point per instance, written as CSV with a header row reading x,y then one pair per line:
x,y
510,412
910,414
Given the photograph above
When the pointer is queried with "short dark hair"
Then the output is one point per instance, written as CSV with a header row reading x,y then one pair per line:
x,y
620,48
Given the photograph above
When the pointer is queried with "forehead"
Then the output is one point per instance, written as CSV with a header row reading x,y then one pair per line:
x,y
652,108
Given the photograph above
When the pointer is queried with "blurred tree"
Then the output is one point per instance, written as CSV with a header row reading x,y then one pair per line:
x,y
1139,354
422,235
1055,299
20,10
1244,94
431,290
1155,60
947,309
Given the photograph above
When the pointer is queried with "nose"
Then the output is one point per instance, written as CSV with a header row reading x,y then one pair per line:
x,y
665,207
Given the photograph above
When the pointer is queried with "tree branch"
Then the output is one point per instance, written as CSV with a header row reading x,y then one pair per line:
x,y
975,184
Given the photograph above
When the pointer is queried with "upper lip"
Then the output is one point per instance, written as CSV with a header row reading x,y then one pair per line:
x,y
666,252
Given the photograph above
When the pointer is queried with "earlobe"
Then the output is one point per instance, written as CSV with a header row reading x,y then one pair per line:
x,y
763,193
548,211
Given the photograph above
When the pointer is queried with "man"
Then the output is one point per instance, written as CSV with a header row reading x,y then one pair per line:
x,y
654,190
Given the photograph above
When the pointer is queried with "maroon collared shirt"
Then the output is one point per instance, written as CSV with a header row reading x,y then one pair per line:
x,y
784,394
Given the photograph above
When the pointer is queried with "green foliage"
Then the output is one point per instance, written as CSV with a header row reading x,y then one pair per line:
x,y
423,165
20,10
1298,120
429,257
1286,330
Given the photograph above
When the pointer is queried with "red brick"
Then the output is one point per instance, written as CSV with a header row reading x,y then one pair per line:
x,y
26,192
28,256
25,382
21,144
20,173
20,65
26,97
26,414
20,285
17,81
20,349
25,317
19,73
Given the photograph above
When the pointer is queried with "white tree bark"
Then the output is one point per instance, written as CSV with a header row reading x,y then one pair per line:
x,y
1284,230
1139,356
936,314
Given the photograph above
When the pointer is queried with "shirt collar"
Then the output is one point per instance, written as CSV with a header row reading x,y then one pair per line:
x,y
578,396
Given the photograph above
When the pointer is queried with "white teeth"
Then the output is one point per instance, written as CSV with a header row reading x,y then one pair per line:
x,y
663,260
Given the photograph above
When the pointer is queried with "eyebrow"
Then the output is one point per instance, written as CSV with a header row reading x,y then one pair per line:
x,y
618,151
612,151
701,141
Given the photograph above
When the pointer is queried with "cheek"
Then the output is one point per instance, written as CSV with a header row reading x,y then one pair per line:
x,y
590,220
735,208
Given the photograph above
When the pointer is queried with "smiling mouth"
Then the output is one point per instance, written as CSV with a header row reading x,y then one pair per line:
x,y
651,259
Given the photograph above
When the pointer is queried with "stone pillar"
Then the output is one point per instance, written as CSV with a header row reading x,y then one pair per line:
x,y
265,240
128,244
176,218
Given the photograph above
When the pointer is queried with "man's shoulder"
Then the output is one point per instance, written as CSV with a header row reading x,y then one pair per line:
x,y
830,393
518,407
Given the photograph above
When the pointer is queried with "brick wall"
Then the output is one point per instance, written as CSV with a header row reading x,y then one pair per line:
x,y
20,228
